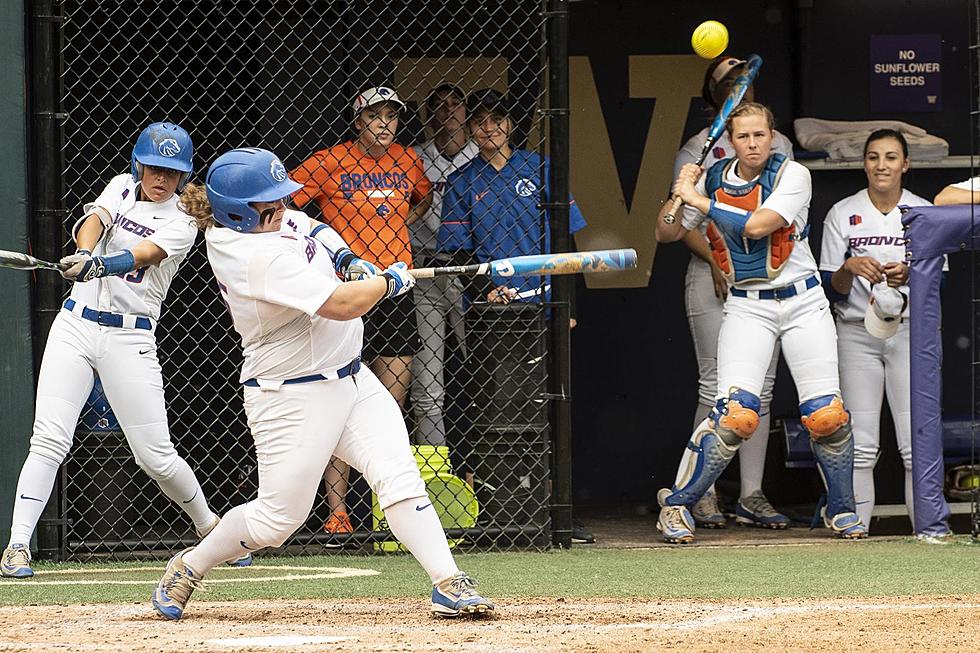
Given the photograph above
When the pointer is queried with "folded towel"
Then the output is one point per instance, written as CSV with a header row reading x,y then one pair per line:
x,y
843,140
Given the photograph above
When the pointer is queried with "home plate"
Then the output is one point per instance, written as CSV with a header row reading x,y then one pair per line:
x,y
277,640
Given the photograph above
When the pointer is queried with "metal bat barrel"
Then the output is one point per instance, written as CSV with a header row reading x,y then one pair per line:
x,y
606,260
603,260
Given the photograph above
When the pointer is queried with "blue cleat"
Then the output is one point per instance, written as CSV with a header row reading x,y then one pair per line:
x,y
755,510
847,525
457,596
175,588
16,562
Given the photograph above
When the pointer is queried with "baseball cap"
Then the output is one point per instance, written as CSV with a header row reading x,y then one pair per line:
x,y
376,95
445,87
885,310
490,100
723,68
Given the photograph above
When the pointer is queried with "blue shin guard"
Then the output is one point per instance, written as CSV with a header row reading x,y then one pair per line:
x,y
707,457
835,457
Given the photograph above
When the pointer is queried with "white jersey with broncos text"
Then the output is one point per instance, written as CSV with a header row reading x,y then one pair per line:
x,y
273,283
854,227
791,200
142,291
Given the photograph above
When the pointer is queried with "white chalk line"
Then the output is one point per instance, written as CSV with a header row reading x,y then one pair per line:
x,y
746,613
242,576
278,640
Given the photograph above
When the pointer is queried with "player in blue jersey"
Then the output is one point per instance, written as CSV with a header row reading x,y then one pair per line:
x,y
490,207
490,210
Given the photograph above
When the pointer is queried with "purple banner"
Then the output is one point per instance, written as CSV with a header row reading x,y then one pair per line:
x,y
906,73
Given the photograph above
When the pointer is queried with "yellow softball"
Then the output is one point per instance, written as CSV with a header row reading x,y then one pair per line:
x,y
709,39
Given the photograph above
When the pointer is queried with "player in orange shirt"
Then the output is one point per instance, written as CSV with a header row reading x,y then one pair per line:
x,y
369,190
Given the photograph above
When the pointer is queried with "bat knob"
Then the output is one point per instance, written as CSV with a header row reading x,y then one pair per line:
x,y
669,219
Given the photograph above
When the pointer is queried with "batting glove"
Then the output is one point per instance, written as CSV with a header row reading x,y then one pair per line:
x,y
361,269
74,264
400,280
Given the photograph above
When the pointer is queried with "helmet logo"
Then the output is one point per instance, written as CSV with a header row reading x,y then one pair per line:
x,y
168,147
278,170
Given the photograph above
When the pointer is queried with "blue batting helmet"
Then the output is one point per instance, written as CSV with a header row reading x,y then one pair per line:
x,y
241,176
164,145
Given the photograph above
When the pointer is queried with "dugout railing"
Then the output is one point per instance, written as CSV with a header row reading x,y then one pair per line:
x,y
282,74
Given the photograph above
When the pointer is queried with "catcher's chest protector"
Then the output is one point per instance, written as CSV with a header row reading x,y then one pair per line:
x,y
741,258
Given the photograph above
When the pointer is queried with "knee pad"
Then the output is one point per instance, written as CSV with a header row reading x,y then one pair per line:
x,y
736,415
824,416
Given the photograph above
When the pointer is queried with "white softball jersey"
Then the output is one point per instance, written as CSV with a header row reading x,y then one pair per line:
x,y
140,292
437,169
854,227
273,283
791,200
971,184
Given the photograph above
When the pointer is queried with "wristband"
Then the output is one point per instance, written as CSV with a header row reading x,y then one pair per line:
x,y
107,266
342,260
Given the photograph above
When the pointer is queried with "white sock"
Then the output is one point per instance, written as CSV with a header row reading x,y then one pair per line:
x,y
422,534
184,490
752,458
909,503
222,544
864,494
33,491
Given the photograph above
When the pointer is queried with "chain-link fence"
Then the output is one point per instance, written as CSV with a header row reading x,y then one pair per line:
x,y
449,170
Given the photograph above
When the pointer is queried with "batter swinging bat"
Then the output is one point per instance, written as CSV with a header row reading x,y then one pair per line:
x,y
604,260
20,261
742,83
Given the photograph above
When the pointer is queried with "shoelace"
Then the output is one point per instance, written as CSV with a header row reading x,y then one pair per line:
x,y
757,504
179,586
674,519
17,557
463,586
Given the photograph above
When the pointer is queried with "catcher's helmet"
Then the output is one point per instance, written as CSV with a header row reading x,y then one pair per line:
x,y
165,145
248,174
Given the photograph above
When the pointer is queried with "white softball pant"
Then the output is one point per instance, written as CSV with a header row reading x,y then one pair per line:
x,y
804,326
126,361
870,369
704,313
298,427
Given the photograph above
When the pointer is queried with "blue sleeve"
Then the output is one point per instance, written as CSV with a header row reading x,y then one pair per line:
x,y
455,229
576,220
828,288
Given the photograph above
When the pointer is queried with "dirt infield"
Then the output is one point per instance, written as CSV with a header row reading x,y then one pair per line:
x,y
920,623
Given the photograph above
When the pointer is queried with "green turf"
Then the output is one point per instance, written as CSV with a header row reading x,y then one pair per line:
x,y
856,569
